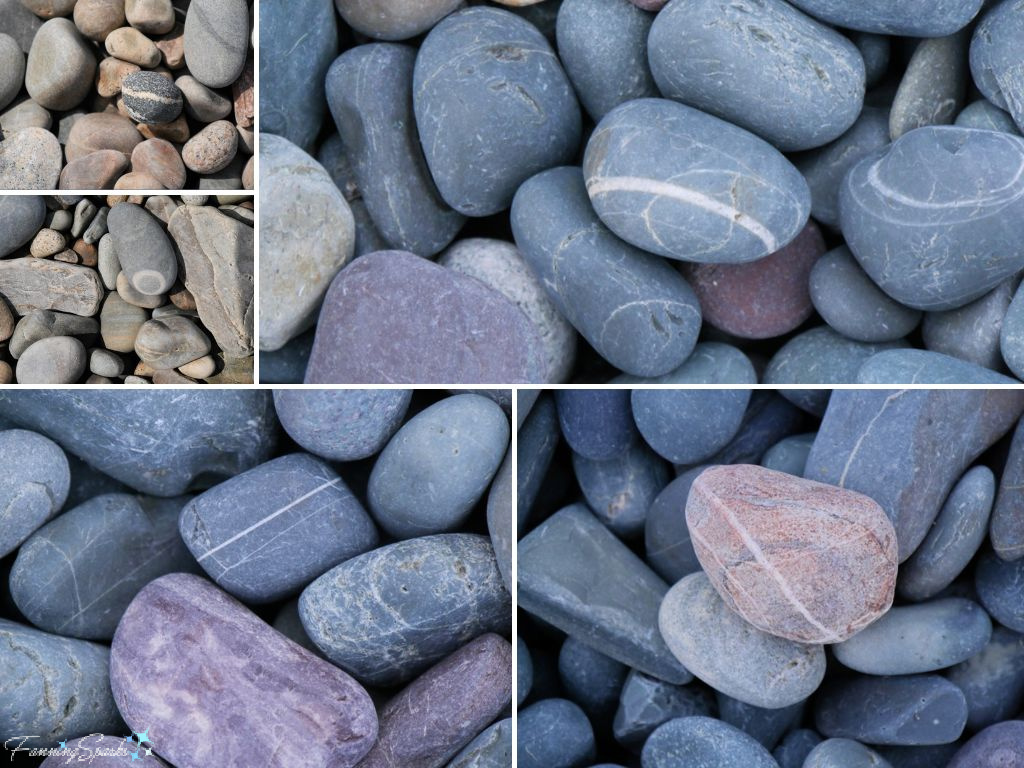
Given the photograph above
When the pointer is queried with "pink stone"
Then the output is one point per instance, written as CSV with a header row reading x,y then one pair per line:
x,y
761,299
796,558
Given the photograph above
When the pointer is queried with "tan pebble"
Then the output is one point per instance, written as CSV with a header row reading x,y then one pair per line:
x,y
91,133
113,200
87,253
182,298
6,321
138,180
202,368
95,378
159,159
154,17
144,369
97,170
46,243
247,173
129,294
212,149
161,206
172,47
6,373
112,72
120,323
171,377
67,256
245,107
136,380
98,18
49,9
176,131
131,45
170,342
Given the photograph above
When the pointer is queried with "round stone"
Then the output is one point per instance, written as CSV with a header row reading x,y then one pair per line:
x,y
131,45
54,360
21,217
987,116
703,741
212,149
843,753
150,97
554,732
159,160
12,69
596,423
61,66
687,426
30,159
998,746
216,40
143,248
98,18
103,362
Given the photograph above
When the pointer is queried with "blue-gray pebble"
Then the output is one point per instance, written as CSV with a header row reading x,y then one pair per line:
x,y
646,702
596,423
501,519
536,445
21,217
711,362
703,742
590,678
1006,530
667,541
972,332
999,584
795,747
789,455
987,116
920,366
688,426
913,18
844,753
764,725
437,466
33,487
621,490
524,671
992,680
554,733
491,749
678,182
493,107
995,58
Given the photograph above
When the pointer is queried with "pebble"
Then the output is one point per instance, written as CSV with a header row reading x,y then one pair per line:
x,y
53,360
61,66
461,330
24,114
844,753
143,248
203,663
590,678
501,519
554,733
614,609
668,547
596,423
98,18
216,40
237,530
493,107
120,323
933,87
769,417
759,50
169,342
111,74
12,65
916,18
620,490
19,22
388,164
34,485
159,160
41,324
441,711
764,725
30,159
310,238
153,17
919,366
200,102
437,466
132,46
633,308
909,229
703,741
998,585
537,440
992,680
994,58
54,688
97,170
491,749
907,710
796,746
391,20
998,746
212,149
7,325
85,594
150,98
524,672
954,539
1011,335
987,116
103,362
21,217
387,635
677,163
646,702
101,130
689,426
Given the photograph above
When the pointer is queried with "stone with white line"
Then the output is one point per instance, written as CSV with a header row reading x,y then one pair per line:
x,y
913,18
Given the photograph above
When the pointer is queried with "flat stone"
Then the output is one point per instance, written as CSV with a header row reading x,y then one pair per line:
x,y
874,442
917,18
97,170
41,324
184,645
29,284
992,680
296,503
493,107
143,248
491,749
440,712
910,710
34,485
554,732
613,607
667,544
150,97
30,159
926,236
919,366
987,116
796,746
998,585
120,323
652,162
995,61
633,308
758,51
461,330
216,40
957,534
212,149
711,362
934,85
55,686
833,753
202,103
689,426
19,22
394,19
703,741
12,64
212,434
998,746
21,217
61,66
596,423
646,702
386,635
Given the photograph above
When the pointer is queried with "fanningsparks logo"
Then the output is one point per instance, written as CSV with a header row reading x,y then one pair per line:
x,y
85,750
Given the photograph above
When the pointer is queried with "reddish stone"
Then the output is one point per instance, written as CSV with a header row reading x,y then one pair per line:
x,y
160,160
104,130
764,298
97,170
796,558
243,91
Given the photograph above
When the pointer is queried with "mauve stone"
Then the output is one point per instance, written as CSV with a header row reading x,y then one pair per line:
x,y
919,366
395,317
33,487
987,116
554,733
995,58
993,679
689,426
876,441
795,747
441,711
998,746
160,159
843,753
21,217
912,18
185,656
590,678
98,751
85,591
646,702
341,424
703,742
1007,527
668,547
739,61
238,530
711,362
575,574
377,614
620,490
908,710
652,163
158,442
998,584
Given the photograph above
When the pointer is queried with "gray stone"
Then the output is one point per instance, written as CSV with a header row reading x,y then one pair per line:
x,y
689,426
266,533
1000,743
554,733
491,749
998,586
334,158
536,443
876,51
19,22
912,18
995,58
919,366
369,90
652,163
109,265
973,331
33,487
377,614
633,308
596,423
493,107
143,249
992,680
287,365
85,212
501,519
394,19
933,87
987,116
216,40
20,218
170,341
844,753
53,360
1007,529
150,98
61,66
711,362
12,67
795,747
1011,335
703,741
668,547
590,678
646,702
30,158
42,324
84,592
205,104
789,455
97,227
764,725
103,362
23,114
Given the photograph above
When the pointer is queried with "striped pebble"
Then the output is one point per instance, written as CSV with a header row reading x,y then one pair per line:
x,y
150,98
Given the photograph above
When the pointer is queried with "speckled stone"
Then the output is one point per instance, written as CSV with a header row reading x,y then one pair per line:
x,y
705,743
998,584
34,485
98,18
668,547
158,442
987,116
150,98
493,107
998,746
554,733
908,710
85,592
590,678
12,64
993,679
375,120
689,426
926,241
184,646
844,753
613,608
919,366
53,688
216,40
934,85
387,634
633,308
394,19
143,249
995,58
646,702
954,539
739,60
30,158
641,190
711,362
21,217
212,149
441,711
915,18
61,66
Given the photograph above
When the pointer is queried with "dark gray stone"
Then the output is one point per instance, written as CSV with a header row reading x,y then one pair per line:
x,y
973,331
740,61
150,98
376,615
795,747
919,366
33,486
987,116
646,702
596,423
992,680
19,22
667,541
491,749
933,87
703,742
689,426
501,519
1011,335
912,18
537,440
918,757
999,585
876,50
590,678
143,248
768,419
789,455
21,217
493,107
711,362
764,725
995,58
216,40
1007,527
524,672
554,733
652,163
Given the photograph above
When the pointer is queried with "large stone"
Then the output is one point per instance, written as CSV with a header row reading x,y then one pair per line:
x,y
921,366
216,40
913,18
145,252
689,426
21,217
995,58
12,67
186,655
998,746
61,66
33,487
29,284
653,163
101,130
53,360
394,19
703,741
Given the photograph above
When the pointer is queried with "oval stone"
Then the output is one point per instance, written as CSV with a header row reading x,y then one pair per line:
x,y
187,653
493,107
61,66
760,51
394,19
1007,528
216,40
998,746
710,363
913,18
684,184
998,585
689,426
554,733
789,455
101,130
53,360
30,159
993,679
914,217
932,89
748,522
33,487
12,65
919,366
150,98
995,58
377,614
143,249
21,217
703,741
732,656
844,753
596,423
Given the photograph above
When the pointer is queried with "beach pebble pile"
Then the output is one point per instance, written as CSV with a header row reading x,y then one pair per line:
x,y
126,94
219,578
829,191
717,578
126,289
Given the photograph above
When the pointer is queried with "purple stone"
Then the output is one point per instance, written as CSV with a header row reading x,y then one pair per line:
x,y
998,746
213,685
